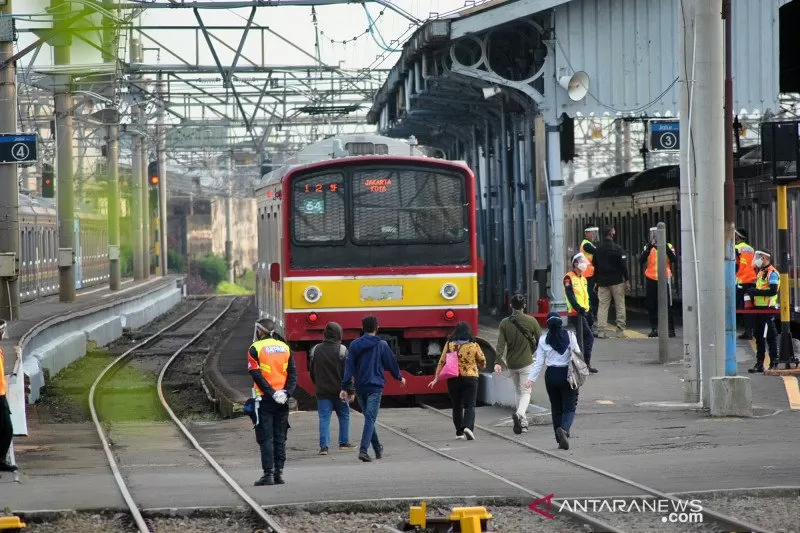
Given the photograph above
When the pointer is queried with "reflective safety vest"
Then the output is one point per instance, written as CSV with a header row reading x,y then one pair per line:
x,y
651,271
272,362
589,272
579,289
746,272
766,277
3,384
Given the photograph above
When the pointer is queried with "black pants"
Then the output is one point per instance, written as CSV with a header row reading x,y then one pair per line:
x,y
6,430
594,301
745,320
563,399
588,338
463,394
772,338
273,424
651,298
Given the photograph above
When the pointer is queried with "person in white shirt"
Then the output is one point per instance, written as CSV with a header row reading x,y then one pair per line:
x,y
554,351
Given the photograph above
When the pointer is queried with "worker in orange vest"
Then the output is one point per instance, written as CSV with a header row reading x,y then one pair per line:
x,y
6,429
270,364
590,236
745,278
649,263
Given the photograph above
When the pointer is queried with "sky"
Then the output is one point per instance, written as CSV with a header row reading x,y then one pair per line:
x,y
338,23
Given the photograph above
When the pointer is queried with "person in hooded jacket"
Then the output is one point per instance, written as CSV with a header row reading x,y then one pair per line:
x,y
554,351
463,389
368,358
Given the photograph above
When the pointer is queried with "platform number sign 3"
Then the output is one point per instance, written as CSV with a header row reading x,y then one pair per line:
x,y
17,147
664,136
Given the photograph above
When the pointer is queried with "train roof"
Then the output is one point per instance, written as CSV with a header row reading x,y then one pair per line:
x,y
663,177
584,189
614,185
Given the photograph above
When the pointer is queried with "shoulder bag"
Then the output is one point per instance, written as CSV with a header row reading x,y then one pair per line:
x,y
577,371
525,334
450,368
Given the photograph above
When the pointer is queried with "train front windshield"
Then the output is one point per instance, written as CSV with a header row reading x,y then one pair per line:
x,y
378,216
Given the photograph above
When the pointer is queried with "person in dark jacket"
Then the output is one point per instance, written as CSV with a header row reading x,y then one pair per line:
x,y
613,281
368,358
327,368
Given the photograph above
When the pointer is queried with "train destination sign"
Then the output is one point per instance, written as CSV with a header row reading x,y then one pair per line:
x,y
664,136
17,147
378,185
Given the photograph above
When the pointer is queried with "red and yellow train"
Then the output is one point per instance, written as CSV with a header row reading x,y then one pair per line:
x,y
384,233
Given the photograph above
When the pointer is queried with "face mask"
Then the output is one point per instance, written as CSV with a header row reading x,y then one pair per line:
x,y
582,267
758,262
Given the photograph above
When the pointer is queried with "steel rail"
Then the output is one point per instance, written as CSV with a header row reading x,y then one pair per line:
x,y
727,520
273,526
599,525
126,495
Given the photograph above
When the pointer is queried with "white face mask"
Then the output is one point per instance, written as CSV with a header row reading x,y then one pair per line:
x,y
582,266
758,262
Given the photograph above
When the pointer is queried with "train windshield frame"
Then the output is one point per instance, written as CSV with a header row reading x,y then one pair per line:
x,y
392,214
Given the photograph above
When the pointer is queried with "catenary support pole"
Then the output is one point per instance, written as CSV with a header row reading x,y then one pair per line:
x,y
162,177
115,280
64,183
9,193
785,347
229,220
137,173
702,199
730,203
556,183
663,296
147,212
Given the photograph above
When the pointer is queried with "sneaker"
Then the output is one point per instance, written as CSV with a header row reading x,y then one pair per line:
x,y
758,368
347,446
323,451
5,467
469,434
653,333
517,423
461,437
561,437
364,456
621,333
379,453
524,429
592,370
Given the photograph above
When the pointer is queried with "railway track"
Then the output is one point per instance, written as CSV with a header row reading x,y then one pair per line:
x,y
712,520
168,344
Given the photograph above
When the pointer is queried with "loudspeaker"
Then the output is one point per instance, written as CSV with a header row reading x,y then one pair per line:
x,y
576,85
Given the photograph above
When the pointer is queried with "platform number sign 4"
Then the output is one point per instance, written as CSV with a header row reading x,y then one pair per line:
x,y
17,148
664,136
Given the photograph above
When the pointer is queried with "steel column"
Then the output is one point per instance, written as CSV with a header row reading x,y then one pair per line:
x,y
113,207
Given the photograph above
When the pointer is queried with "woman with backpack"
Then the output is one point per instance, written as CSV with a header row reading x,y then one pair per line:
x,y
459,364
555,352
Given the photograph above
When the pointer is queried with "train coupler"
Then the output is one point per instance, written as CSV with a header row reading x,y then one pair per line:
x,y
8,523
460,519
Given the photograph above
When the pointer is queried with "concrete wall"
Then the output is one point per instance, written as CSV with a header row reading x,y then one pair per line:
x,y
52,346
245,231
498,389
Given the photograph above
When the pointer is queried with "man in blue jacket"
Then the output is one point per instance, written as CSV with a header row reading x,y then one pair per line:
x,y
368,358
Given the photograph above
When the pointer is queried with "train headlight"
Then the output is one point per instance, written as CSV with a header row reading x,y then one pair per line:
x,y
449,291
312,294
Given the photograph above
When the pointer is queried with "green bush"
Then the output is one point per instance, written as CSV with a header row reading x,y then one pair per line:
x,y
248,280
175,261
126,260
227,287
212,269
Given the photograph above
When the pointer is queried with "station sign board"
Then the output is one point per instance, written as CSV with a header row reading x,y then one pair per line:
x,y
664,135
17,147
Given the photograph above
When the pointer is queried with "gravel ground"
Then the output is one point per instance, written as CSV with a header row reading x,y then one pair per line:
x,y
778,511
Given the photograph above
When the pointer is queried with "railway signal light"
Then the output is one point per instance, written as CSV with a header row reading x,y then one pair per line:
x,y
780,149
153,174
48,182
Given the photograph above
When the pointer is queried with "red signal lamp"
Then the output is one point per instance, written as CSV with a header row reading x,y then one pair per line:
x,y
449,314
153,180
313,317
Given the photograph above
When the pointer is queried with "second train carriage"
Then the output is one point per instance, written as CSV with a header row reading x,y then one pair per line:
x,y
653,196
391,235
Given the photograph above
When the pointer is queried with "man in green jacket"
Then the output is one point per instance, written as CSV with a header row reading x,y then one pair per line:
x,y
519,336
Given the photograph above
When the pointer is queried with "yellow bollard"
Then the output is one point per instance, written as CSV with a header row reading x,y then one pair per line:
x,y
470,518
11,522
417,515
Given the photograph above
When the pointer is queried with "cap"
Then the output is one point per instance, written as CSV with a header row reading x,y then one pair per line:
x,y
741,232
593,228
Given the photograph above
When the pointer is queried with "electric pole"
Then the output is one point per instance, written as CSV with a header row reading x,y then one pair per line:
x,y
162,178
9,190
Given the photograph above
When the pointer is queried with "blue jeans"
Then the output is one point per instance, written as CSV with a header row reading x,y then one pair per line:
x,y
370,404
325,407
